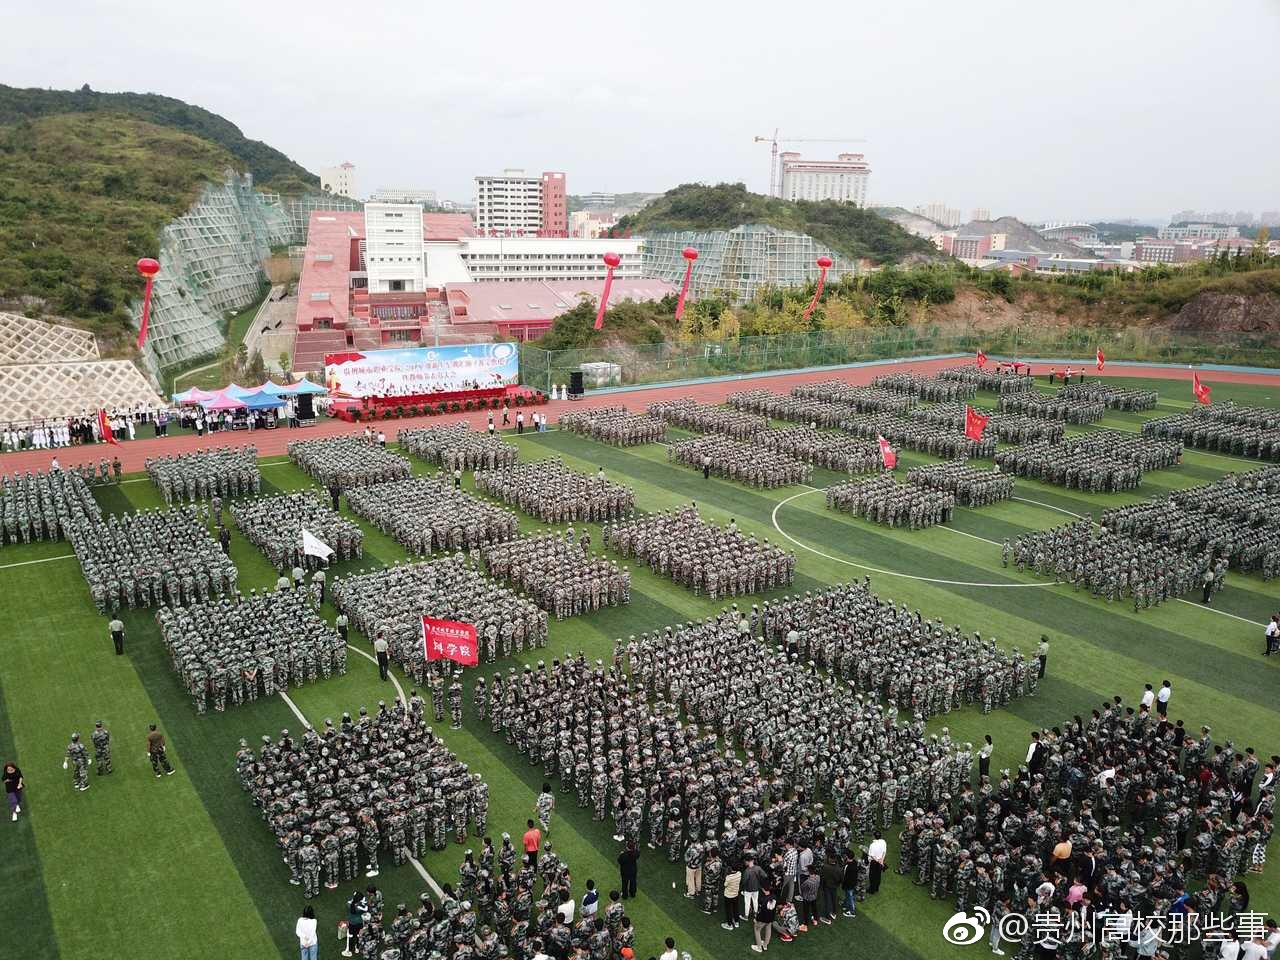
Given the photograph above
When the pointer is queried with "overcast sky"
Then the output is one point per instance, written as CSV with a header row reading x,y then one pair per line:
x,y
1072,109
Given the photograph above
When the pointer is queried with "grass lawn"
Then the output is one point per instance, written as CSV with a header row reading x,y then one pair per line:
x,y
145,868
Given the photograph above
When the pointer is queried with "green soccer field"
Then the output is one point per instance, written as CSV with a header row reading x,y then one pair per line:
x,y
184,866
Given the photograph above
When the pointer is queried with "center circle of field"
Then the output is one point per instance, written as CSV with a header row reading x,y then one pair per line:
x,y
863,566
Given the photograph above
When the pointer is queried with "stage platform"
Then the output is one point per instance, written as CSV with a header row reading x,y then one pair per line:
x,y
457,401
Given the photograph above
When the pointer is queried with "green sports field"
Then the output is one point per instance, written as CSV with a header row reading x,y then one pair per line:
x,y
184,867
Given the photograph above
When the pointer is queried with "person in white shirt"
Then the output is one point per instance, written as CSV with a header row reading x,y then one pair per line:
x,y
1272,939
566,908
305,929
1255,949
1271,636
1148,697
1162,699
875,856
670,953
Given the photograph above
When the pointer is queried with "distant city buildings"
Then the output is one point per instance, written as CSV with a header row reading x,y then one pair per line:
x,y
843,179
1241,218
600,201
982,214
515,204
591,223
939,213
1198,231
339,180
403,195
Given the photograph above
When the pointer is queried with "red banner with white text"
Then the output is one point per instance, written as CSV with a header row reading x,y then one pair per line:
x,y
450,640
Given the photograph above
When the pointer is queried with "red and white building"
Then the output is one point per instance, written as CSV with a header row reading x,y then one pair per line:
x,y
370,280
517,205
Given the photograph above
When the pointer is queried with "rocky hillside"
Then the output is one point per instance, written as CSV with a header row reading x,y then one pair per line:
x,y
1019,236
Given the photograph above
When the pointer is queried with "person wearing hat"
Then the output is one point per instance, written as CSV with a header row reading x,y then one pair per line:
x,y
78,758
101,737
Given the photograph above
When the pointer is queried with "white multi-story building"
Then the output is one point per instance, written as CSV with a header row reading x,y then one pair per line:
x,y
393,247
939,213
600,201
982,214
339,180
545,258
510,202
843,179
1198,231
403,195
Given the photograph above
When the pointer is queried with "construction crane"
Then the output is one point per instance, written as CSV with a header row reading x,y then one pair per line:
x,y
775,182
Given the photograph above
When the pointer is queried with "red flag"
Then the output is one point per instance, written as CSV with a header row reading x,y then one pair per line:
x,y
982,359
450,640
974,423
104,428
1102,360
1199,389
887,456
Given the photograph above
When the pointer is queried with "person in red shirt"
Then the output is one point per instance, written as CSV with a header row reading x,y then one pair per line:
x,y
532,843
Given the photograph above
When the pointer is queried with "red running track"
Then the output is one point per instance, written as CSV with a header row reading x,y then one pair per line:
x,y
133,453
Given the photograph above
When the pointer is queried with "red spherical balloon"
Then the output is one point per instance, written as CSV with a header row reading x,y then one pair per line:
x,y
689,253
612,259
148,267
824,262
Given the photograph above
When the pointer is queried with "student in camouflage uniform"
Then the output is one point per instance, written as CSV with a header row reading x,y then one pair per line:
x,y
615,426
702,555
101,738
428,515
78,758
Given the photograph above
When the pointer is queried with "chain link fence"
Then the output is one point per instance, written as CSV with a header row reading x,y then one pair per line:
x,y
680,360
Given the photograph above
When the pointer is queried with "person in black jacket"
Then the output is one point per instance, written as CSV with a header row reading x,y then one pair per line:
x,y
762,922
829,894
850,882
628,867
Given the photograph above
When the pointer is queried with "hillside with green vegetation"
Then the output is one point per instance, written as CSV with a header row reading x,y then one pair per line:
x,y
82,197
1232,302
854,232
271,169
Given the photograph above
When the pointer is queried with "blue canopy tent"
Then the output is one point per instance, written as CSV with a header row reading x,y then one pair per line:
x,y
305,387
275,390
261,401
239,392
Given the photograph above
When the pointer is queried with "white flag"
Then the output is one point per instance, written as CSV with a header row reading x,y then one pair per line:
x,y
314,546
